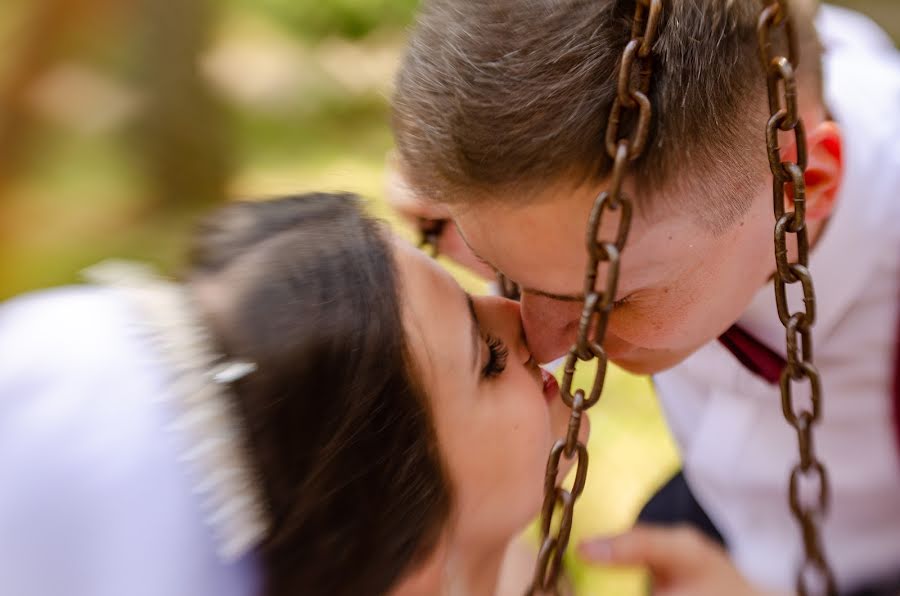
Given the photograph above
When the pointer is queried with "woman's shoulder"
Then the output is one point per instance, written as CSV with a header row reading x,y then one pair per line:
x,y
91,469
63,329
74,380
72,350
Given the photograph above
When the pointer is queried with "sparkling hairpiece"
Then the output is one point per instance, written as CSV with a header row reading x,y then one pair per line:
x,y
230,372
206,424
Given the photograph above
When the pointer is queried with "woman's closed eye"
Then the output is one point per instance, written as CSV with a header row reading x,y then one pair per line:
x,y
497,355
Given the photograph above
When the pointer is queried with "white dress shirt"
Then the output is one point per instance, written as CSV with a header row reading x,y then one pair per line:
x,y
737,449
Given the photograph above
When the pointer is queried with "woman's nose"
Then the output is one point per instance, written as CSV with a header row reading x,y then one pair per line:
x,y
550,325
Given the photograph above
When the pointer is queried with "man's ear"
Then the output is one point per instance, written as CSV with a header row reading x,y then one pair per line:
x,y
824,172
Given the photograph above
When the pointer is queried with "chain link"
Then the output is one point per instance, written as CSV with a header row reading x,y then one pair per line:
x,y
631,105
815,575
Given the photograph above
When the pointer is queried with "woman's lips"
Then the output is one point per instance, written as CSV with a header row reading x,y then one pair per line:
x,y
551,387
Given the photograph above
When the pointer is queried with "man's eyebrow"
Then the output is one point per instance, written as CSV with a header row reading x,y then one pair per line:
x,y
476,333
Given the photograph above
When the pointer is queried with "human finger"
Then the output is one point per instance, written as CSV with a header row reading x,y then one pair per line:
x,y
666,551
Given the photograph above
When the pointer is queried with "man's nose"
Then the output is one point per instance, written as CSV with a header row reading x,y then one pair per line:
x,y
503,317
550,325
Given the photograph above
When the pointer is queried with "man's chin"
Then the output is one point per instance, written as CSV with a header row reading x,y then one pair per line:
x,y
636,361
648,362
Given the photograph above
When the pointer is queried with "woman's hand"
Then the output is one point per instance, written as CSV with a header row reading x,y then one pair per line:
x,y
680,560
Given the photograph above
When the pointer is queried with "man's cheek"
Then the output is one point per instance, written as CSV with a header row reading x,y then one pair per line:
x,y
663,327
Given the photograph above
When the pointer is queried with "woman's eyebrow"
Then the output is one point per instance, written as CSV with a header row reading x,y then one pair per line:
x,y
476,333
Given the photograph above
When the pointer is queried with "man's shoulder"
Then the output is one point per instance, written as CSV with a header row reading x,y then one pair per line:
x,y
840,27
861,73
862,91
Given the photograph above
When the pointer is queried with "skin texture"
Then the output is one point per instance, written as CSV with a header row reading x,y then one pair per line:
x,y
682,561
497,483
681,285
666,307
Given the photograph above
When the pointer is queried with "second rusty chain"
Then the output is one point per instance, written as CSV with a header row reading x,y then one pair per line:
x,y
785,117
623,147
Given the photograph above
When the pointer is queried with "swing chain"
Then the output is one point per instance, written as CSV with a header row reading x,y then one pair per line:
x,y
631,100
785,117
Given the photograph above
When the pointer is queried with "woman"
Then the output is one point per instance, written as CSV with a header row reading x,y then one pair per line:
x,y
316,409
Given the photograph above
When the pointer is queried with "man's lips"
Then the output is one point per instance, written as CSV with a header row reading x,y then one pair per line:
x,y
551,387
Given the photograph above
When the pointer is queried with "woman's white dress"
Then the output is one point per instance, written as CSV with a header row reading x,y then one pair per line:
x,y
94,497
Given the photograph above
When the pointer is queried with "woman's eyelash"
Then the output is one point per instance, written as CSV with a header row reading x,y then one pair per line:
x,y
496,363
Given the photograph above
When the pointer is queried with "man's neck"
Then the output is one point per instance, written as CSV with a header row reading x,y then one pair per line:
x,y
815,230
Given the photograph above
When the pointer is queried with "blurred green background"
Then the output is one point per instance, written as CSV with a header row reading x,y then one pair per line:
x,y
121,120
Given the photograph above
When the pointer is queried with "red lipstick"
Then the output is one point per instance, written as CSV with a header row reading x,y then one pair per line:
x,y
551,387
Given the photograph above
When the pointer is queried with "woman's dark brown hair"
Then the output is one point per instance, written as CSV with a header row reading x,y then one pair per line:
x,y
336,423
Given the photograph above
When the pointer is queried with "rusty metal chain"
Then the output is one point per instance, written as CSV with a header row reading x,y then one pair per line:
x,y
623,147
815,575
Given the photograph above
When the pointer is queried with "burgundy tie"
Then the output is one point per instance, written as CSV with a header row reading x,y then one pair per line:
x,y
761,360
756,357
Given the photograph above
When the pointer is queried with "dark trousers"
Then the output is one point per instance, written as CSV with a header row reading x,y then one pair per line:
x,y
675,504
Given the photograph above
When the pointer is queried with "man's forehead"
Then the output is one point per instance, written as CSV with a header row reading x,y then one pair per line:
x,y
543,266
543,246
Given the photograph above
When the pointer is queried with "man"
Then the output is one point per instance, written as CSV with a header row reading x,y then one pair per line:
x,y
500,116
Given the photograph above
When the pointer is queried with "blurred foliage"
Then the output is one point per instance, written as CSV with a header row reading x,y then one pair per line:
x,y
83,188
352,19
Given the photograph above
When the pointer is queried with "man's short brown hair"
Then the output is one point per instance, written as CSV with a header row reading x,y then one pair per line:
x,y
504,96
